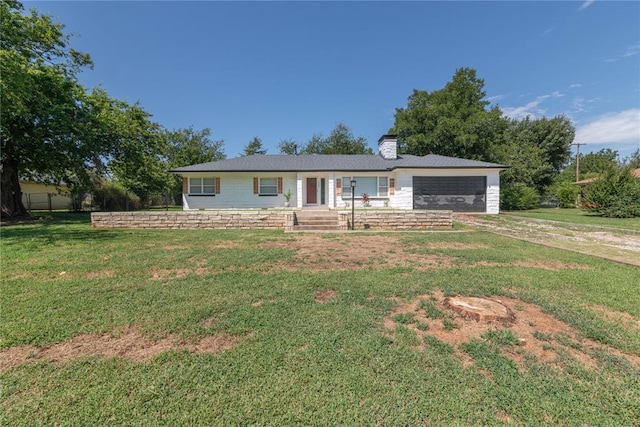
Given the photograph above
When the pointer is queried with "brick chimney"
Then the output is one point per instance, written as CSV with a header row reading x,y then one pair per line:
x,y
388,147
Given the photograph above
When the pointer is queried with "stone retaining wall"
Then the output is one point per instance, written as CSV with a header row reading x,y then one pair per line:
x,y
282,220
190,219
399,220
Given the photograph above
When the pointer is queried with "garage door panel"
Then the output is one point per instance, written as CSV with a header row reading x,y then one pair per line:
x,y
456,193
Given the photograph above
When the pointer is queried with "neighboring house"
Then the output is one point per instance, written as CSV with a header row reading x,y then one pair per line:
x,y
41,196
585,182
315,180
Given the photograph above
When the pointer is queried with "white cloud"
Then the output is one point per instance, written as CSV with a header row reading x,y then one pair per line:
x,y
631,51
586,4
547,31
531,109
612,128
494,98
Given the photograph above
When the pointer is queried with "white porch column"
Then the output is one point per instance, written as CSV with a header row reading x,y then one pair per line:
x,y
299,195
332,192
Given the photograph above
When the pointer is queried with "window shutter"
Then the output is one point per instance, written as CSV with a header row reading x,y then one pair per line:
x,y
217,191
392,186
255,185
279,185
185,185
339,186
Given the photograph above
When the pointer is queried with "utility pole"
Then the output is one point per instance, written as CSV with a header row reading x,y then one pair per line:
x,y
578,144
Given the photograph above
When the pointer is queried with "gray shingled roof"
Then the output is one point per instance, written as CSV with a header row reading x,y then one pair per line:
x,y
333,162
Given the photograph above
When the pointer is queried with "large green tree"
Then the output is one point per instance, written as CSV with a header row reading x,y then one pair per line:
x,y
44,110
453,121
536,150
254,147
189,147
591,165
288,146
53,129
137,158
340,141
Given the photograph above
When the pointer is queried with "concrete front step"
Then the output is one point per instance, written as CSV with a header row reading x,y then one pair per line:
x,y
315,228
316,221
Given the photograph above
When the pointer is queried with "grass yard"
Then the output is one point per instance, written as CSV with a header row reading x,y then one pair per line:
x,y
231,327
578,216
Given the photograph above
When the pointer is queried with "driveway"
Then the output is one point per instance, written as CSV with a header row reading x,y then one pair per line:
x,y
621,245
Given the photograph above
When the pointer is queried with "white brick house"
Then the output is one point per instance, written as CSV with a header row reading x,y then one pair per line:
x,y
314,180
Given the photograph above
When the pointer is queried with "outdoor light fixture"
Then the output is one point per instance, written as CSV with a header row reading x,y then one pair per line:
x,y
353,199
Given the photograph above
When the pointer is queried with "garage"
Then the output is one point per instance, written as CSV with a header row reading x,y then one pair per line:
x,y
456,193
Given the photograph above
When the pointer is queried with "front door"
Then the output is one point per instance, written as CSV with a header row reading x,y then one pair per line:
x,y
312,193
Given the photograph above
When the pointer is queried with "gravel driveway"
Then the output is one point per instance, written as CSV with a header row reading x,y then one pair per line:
x,y
621,245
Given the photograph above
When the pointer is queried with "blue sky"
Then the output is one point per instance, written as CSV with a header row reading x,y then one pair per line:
x,y
287,70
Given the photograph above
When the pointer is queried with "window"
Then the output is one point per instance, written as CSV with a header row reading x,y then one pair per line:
x,y
374,186
383,186
202,186
268,187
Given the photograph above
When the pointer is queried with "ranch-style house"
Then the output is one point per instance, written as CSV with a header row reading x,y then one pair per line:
x,y
387,180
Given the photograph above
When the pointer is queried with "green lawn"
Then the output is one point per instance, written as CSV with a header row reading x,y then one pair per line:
x,y
296,361
578,216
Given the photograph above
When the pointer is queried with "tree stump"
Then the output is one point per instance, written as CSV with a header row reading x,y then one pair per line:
x,y
480,309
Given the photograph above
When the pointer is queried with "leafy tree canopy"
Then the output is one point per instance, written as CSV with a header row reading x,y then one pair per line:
x,y
591,165
288,146
633,160
254,147
536,150
52,128
453,121
189,147
340,141
44,109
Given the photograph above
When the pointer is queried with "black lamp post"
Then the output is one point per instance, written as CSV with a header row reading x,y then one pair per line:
x,y
353,206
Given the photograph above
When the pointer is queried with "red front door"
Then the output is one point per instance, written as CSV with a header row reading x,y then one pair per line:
x,y
312,194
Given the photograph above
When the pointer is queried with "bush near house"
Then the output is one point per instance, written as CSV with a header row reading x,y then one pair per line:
x,y
518,196
567,193
112,196
615,195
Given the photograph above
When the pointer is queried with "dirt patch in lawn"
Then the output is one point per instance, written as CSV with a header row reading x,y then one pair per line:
x,y
619,317
98,274
323,296
129,344
175,273
530,333
174,247
456,245
318,253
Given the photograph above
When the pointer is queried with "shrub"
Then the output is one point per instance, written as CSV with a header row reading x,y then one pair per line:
x,y
615,195
567,193
112,196
519,197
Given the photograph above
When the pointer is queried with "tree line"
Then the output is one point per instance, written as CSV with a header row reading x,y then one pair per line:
x,y
54,129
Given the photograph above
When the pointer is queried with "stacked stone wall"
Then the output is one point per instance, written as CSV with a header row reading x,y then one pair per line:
x,y
398,220
173,220
401,220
